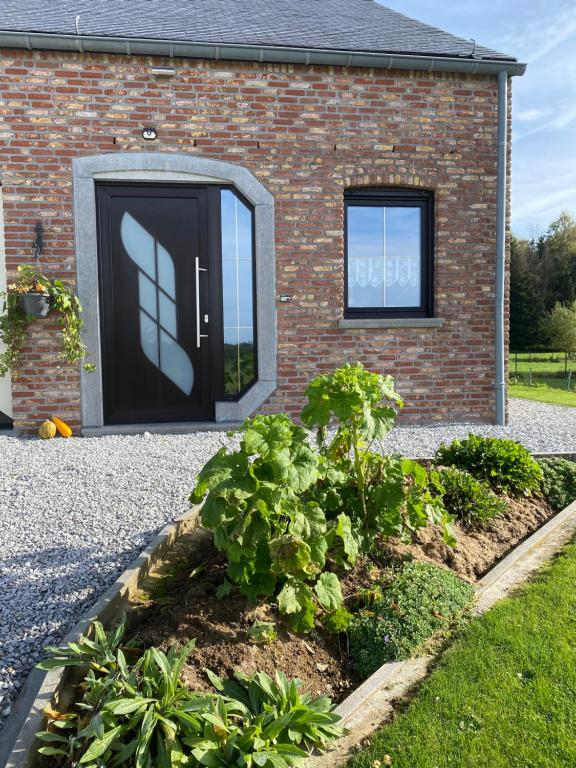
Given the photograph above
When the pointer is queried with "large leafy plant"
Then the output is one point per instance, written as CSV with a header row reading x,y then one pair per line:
x,y
288,515
275,541
361,404
141,715
382,495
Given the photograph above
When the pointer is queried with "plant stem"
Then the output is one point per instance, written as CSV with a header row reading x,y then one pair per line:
x,y
359,468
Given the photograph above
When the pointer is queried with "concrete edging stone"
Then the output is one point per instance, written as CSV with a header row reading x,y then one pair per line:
x,y
43,688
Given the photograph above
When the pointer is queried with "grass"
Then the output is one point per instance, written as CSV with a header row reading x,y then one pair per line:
x,y
503,694
540,362
545,391
541,376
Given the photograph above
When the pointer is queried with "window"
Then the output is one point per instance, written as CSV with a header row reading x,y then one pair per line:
x,y
388,252
237,293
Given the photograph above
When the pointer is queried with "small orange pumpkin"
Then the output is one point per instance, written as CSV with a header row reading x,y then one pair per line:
x,y
62,427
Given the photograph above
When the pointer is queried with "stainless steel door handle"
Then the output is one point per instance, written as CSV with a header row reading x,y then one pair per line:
x,y
199,335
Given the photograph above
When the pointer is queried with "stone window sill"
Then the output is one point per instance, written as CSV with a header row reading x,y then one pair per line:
x,y
391,322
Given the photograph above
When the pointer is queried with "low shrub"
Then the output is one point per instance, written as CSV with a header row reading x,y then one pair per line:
x,y
559,485
141,715
419,600
504,464
469,500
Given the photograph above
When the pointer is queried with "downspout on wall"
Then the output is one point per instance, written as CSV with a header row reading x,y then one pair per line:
x,y
501,200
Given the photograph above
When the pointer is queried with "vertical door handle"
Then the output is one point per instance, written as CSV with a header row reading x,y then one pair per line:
x,y
198,334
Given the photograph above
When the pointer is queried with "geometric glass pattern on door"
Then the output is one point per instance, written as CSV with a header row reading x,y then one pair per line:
x,y
157,300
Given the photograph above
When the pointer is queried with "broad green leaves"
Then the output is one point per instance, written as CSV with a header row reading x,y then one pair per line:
x,y
147,718
287,514
255,507
328,591
352,393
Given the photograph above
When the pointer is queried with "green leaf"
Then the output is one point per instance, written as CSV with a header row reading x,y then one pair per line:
x,y
223,590
289,554
296,600
266,435
328,591
302,469
349,542
99,746
126,706
215,680
52,751
288,599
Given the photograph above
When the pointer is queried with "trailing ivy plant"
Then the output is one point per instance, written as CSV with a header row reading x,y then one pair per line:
x,y
275,541
14,321
139,714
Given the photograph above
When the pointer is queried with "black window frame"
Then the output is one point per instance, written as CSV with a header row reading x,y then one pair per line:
x,y
396,197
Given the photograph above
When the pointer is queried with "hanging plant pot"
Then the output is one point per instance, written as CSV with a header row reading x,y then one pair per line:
x,y
35,304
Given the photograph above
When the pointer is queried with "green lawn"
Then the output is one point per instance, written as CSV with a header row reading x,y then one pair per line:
x,y
503,695
546,391
541,376
540,362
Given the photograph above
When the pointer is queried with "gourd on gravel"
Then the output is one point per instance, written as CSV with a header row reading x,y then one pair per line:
x,y
47,430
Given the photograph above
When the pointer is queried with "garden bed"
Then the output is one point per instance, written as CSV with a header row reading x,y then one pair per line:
x,y
477,550
326,560
179,608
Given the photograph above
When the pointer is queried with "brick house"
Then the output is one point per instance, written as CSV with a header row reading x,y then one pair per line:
x,y
248,194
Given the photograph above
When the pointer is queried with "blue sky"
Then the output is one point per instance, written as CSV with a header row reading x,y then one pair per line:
x,y
543,34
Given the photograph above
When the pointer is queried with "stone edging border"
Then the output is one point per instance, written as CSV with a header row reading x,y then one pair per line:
x,y
42,688
362,711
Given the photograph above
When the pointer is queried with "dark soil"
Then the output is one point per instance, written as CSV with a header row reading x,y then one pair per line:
x,y
220,627
183,604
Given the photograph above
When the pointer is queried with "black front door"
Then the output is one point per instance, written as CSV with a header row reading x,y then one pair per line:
x,y
154,303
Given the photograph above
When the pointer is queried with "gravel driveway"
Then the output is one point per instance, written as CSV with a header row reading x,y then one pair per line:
x,y
74,514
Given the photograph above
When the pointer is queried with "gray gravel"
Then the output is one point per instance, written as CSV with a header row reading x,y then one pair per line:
x,y
542,428
75,513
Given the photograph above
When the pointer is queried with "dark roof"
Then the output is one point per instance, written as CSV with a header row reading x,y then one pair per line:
x,y
344,25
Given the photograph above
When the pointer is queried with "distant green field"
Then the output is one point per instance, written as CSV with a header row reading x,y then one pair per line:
x,y
542,376
553,391
549,363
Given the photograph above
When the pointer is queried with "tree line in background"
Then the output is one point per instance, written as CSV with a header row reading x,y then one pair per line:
x,y
543,289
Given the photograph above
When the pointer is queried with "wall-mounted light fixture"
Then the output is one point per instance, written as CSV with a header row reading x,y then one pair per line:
x,y
149,134
163,71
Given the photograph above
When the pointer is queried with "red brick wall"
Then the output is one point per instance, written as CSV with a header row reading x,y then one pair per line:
x,y
307,134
